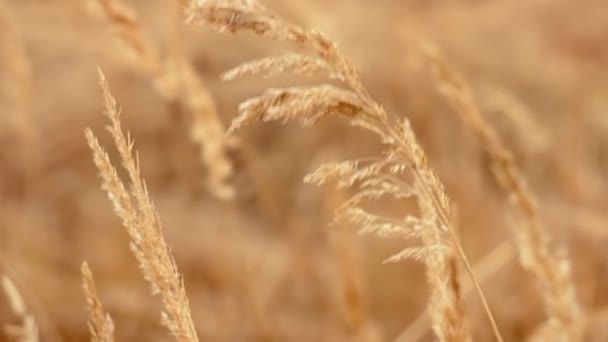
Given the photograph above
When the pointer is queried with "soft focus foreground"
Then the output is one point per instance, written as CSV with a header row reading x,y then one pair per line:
x,y
258,257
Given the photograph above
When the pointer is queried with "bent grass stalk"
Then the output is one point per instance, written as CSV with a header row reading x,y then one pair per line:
x,y
373,178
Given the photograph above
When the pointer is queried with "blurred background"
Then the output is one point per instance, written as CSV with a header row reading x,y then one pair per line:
x,y
265,265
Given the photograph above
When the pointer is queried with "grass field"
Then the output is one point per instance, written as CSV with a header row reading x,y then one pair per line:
x,y
157,183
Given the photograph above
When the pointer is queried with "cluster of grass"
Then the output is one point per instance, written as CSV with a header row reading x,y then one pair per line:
x,y
400,175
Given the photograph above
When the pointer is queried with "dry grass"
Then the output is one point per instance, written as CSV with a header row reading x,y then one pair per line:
x,y
373,178
376,251
101,325
142,223
537,255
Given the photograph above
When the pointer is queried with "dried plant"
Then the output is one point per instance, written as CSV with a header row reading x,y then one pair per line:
x,y
537,255
141,220
27,329
402,171
101,325
177,80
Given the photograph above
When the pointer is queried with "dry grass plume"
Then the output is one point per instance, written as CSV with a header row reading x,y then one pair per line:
x,y
372,178
101,325
133,205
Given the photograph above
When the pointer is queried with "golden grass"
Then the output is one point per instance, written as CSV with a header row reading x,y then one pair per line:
x,y
101,325
381,176
537,255
524,156
142,223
